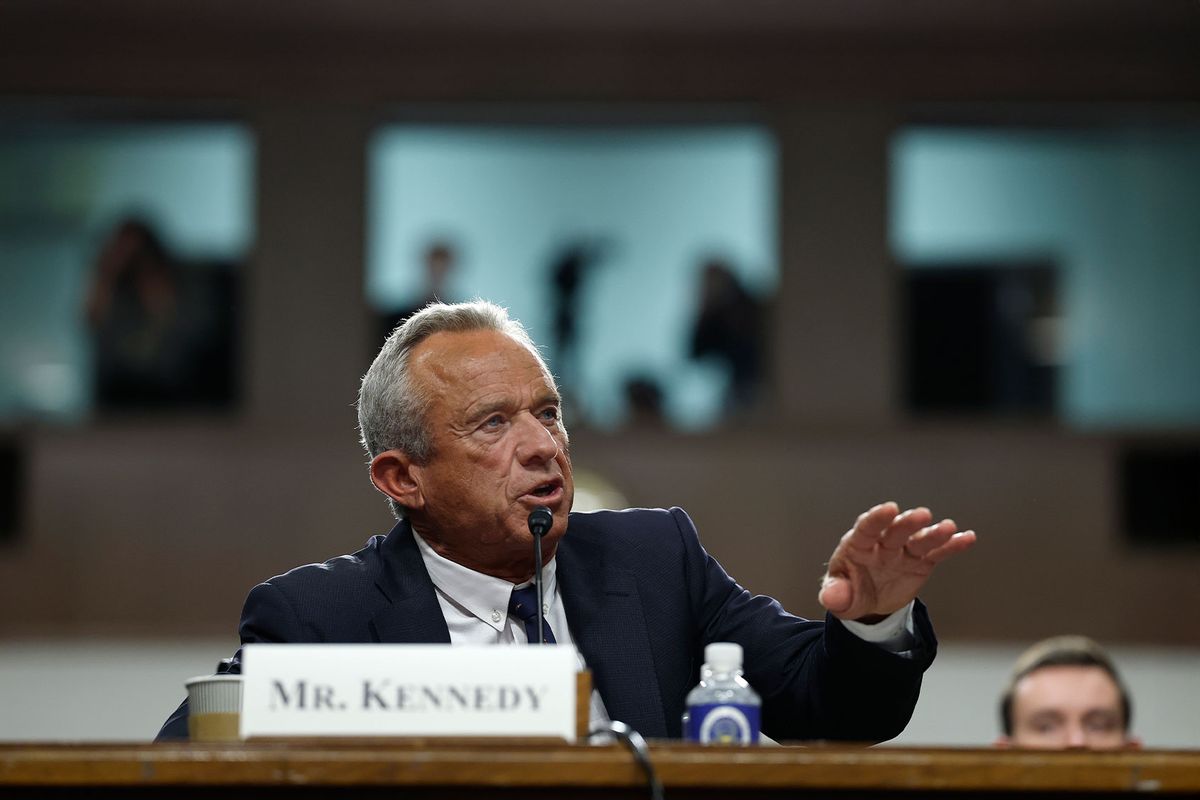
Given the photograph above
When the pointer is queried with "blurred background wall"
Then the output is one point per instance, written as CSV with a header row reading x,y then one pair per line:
x,y
973,244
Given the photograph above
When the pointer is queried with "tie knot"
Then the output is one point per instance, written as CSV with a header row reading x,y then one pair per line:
x,y
523,604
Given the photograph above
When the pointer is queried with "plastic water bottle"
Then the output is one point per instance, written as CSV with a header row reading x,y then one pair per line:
x,y
723,709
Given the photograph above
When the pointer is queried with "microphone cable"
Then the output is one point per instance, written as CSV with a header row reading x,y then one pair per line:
x,y
637,746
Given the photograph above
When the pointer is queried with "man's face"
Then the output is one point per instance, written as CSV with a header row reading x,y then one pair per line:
x,y
1068,707
499,451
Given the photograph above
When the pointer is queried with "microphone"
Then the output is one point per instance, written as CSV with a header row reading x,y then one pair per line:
x,y
540,523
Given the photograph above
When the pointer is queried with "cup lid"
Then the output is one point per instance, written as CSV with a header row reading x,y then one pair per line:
x,y
212,678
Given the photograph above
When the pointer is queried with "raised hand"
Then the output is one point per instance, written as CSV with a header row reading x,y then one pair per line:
x,y
883,561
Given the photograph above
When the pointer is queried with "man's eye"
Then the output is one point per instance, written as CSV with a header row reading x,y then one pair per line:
x,y
550,413
1046,725
494,421
1101,723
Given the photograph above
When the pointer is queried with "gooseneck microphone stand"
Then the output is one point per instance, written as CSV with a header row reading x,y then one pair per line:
x,y
540,523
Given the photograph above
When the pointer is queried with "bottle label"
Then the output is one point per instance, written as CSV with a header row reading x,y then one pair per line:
x,y
723,723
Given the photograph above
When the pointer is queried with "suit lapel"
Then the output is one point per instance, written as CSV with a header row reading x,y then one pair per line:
x,y
603,609
609,628
412,613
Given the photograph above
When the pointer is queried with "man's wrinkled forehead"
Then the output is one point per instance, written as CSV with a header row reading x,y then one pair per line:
x,y
449,357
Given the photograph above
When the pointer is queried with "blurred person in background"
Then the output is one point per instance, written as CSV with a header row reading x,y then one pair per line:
x,y
439,260
162,328
1064,693
569,269
729,329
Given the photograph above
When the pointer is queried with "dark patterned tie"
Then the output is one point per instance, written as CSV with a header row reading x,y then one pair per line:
x,y
523,605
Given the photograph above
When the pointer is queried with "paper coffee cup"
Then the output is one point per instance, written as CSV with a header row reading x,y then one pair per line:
x,y
214,708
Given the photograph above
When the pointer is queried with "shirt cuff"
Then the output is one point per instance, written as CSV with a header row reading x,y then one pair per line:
x,y
893,633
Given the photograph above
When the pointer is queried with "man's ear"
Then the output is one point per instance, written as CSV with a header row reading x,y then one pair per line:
x,y
1133,743
394,474
1002,742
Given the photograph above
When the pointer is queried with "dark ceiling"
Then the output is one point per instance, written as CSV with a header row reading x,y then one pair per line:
x,y
1142,20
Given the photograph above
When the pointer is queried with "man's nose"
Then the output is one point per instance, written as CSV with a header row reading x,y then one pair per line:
x,y
1076,736
537,442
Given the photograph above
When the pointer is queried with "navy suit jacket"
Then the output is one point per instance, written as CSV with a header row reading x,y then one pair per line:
x,y
642,598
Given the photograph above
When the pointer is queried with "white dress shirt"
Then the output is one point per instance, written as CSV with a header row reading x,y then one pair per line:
x,y
476,610
475,606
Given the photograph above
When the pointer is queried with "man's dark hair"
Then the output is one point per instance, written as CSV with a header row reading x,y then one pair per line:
x,y
1062,651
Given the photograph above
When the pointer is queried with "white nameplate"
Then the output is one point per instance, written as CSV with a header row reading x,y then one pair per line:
x,y
408,690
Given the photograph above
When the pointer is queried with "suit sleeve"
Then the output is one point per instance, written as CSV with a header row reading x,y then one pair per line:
x,y
267,616
816,679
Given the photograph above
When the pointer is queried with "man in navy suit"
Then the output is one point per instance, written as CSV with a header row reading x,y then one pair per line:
x,y
462,421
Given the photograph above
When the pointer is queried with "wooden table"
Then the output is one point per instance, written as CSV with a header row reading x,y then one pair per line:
x,y
523,768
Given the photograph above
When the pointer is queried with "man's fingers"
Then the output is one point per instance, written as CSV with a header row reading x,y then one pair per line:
x,y
957,543
930,538
836,595
870,525
903,526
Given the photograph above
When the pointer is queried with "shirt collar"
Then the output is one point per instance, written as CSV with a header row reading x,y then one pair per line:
x,y
484,597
